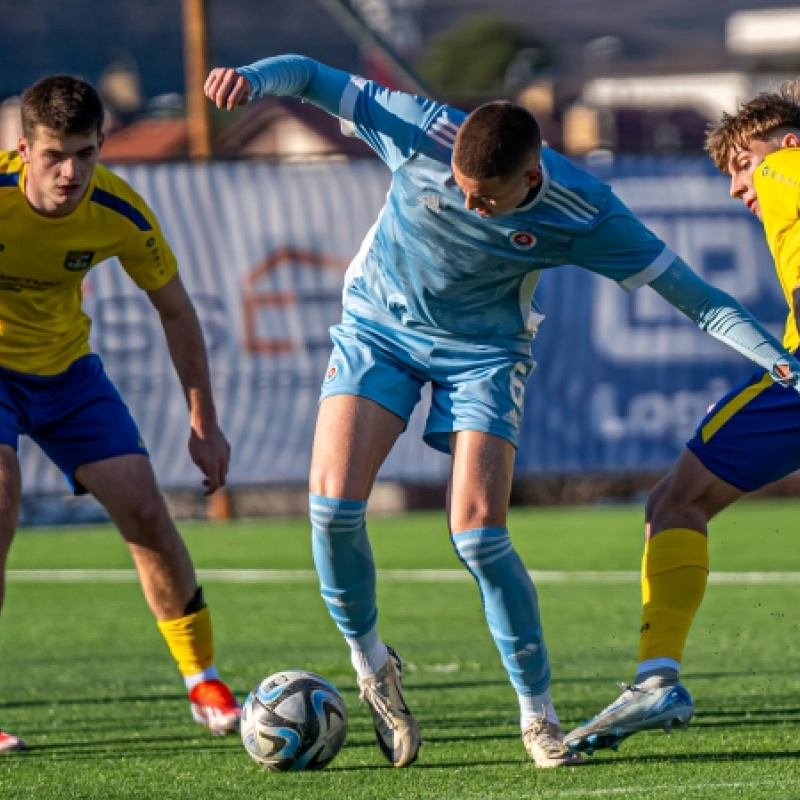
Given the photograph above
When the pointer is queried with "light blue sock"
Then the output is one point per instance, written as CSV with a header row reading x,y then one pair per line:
x,y
510,605
344,563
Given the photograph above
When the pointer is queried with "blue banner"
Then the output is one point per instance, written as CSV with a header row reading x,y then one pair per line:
x,y
624,379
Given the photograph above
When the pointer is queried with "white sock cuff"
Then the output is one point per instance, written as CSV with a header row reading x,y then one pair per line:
x,y
209,674
532,706
368,653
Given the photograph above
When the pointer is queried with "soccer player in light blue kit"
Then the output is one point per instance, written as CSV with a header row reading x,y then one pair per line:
x,y
441,292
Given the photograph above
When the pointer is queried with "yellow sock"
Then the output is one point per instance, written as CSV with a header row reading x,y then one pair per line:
x,y
674,577
191,641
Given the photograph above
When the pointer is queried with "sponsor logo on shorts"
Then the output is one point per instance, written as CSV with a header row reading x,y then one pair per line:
x,y
78,260
522,240
333,371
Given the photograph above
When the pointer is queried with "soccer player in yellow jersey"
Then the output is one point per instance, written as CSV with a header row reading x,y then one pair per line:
x,y
61,214
750,438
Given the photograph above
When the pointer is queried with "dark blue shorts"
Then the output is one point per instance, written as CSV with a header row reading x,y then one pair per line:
x,y
77,417
751,437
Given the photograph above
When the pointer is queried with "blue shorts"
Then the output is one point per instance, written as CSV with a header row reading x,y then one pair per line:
x,y
476,386
76,417
751,437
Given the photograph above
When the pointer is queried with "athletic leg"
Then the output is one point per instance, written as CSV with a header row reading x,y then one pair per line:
x,y
675,562
352,439
480,488
10,491
674,576
126,487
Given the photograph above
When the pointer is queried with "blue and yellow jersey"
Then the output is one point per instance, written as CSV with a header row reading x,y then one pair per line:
x,y
777,184
43,261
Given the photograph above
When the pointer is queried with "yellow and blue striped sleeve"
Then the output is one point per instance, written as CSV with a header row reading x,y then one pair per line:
x,y
144,253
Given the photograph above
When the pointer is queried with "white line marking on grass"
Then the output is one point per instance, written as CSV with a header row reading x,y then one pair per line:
x,y
671,789
386,575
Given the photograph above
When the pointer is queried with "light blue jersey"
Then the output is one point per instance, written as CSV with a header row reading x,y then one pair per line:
x,y
429,261
431,264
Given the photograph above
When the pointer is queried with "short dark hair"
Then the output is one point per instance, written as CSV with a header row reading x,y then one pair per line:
x,y
67,105
756,119
497,140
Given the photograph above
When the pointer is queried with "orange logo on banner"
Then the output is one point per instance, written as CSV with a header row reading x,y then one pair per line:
x,y
256,300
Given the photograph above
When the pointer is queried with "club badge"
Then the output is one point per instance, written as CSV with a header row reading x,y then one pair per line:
x,y
522,240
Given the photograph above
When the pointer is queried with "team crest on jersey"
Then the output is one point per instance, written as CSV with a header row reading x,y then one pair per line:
x,y
522,240
78,260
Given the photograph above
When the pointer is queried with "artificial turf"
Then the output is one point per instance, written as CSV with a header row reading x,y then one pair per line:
x,y
87,681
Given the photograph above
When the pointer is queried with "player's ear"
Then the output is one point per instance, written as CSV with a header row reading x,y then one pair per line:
x,y
23,150
534,177
101,137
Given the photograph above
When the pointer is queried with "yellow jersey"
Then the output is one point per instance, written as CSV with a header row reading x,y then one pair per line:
x,y
777,184
43,261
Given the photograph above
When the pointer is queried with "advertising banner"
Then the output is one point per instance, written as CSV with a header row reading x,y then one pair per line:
x,y
622,378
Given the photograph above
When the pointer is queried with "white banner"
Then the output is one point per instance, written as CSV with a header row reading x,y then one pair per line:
x,y
262,249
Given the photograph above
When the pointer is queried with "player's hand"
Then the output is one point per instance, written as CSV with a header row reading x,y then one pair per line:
x,y
227,88
211,452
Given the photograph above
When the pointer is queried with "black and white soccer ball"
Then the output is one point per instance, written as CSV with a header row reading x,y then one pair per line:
x,y
294,720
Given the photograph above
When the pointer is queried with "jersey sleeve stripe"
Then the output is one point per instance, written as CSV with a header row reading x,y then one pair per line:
x,y
556,203
649,274
444,125
448,143
9,179
347,105
123,207
570,203
577,198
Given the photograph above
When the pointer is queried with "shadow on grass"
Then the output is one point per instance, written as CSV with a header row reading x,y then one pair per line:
x,y
695,758
472,683
92,700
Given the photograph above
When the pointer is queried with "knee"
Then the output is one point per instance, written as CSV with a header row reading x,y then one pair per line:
x,y
672,504
656,501
477,514
150,519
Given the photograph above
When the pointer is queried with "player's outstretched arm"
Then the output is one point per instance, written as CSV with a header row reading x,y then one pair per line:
x,y
281,76
725,319
207,445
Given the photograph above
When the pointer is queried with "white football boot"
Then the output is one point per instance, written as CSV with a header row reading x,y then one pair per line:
x,y
640,707
544,741
395,727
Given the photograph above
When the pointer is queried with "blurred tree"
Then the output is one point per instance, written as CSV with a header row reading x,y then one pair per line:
x,y
475,57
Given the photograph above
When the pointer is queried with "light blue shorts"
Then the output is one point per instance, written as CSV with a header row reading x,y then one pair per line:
x,y
476,386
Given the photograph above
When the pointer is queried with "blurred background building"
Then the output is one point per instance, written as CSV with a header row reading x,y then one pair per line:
x,y
627,87
618,75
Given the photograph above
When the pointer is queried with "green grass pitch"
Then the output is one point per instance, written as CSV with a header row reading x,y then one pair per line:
x,y
86,679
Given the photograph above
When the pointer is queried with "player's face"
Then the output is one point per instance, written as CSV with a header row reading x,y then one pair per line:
x,y
743,163
59,169
493,197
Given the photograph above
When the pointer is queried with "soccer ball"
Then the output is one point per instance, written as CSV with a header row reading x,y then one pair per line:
x,y
294,720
